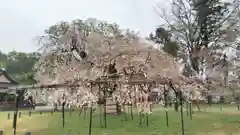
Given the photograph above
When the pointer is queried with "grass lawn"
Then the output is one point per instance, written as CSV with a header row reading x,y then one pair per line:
x,y
203,123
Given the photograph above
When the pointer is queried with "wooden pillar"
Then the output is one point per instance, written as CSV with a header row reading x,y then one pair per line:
x,y
1,132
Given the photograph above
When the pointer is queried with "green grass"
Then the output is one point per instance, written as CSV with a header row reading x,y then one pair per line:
x,y
211,123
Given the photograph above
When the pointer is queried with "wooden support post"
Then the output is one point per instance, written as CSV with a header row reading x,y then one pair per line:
x,y
19,114
105,109
131,111
90,119
140,118
182,119
100,109
190,110
63,114
1,132
166,114
146,119
9,116
90,122
70,111
17,99
85,113
166,106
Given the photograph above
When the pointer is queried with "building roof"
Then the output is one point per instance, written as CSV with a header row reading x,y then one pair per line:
x,y
5,80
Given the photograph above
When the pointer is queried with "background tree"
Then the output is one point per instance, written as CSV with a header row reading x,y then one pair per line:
x,y
200,28
163,37
3,59
19,65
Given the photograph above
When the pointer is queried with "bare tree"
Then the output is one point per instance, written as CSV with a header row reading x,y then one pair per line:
x,y
201,28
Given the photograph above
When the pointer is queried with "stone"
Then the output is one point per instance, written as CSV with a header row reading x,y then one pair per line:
x,y
27,133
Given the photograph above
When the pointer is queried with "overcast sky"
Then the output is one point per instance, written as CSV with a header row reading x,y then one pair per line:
x,y
22,20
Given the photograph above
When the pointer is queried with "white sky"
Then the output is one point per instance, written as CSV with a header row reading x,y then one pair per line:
x,y
22,20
